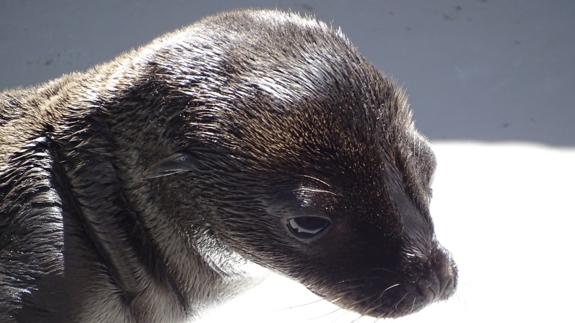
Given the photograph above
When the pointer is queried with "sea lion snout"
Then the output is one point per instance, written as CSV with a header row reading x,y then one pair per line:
x,y
445,269
438,276
407,288
369,257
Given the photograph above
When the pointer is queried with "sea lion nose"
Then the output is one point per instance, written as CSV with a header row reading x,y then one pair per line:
x,y
430,288
445,270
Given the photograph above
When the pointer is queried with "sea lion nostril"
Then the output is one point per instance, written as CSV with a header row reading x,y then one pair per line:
x,y
441,278
448,277
430,287
446,288
442,264
427,290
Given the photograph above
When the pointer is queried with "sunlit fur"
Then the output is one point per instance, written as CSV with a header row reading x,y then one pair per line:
x,y
135,191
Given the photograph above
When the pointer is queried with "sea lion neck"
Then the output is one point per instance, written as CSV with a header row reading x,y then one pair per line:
x,y
103,147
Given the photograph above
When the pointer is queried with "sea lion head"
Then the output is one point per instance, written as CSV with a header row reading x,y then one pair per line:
x,y
307,162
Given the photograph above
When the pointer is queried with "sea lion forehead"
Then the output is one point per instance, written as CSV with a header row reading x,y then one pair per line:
x,y
266,20
274,36
277,92
282,54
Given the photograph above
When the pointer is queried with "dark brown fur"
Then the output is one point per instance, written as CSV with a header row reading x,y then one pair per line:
x,y
134,191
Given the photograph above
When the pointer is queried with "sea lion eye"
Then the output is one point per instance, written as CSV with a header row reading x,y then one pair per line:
x,y
307,227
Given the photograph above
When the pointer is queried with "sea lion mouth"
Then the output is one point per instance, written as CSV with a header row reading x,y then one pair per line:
x,y
389,294
383,299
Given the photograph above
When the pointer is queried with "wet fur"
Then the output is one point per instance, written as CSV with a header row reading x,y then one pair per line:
x,y
271,109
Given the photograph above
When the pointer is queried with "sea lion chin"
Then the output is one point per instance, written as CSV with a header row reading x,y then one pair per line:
x,y
135,190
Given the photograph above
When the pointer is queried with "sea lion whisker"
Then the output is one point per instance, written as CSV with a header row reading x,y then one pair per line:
x,y
413,303
387,289
362,278
357,318
400,300
305,304
374,302
326,314
315,190
316,179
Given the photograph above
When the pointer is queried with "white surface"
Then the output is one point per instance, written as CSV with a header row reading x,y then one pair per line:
x,y
505,212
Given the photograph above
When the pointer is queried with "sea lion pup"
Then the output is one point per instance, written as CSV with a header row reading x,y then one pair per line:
x,y
134,191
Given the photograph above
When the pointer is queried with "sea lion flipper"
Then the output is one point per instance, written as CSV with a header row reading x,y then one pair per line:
x,y
173,164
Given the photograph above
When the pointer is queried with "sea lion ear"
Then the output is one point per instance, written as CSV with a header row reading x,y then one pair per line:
x,y
173,164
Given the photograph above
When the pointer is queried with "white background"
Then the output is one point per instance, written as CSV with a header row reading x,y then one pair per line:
x,y
492,84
